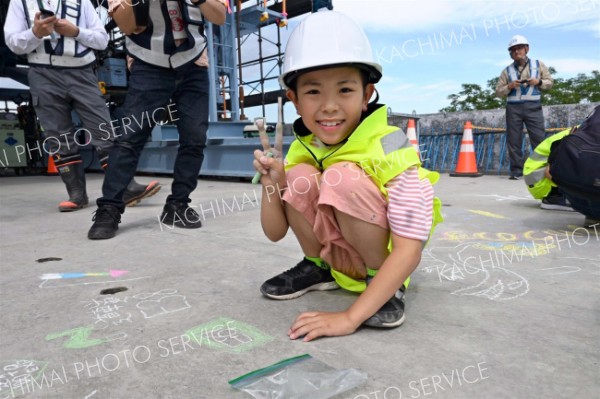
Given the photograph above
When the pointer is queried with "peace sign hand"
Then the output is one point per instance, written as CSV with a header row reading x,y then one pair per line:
x,y
269,162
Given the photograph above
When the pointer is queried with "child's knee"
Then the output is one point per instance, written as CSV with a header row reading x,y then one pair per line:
x,y
303,179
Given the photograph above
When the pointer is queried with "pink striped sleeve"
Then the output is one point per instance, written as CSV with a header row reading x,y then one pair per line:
x,y
410,205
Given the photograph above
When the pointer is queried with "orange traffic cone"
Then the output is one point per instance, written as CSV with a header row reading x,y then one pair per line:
x,y
51,171
467,163
411,133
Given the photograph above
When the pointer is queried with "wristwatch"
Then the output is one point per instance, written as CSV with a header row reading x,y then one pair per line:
x,y
198,2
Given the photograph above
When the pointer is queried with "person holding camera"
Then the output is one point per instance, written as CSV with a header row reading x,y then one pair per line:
x,y
59,38
522,83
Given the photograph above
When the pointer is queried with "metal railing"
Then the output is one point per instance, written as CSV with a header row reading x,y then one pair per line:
x,y
440,148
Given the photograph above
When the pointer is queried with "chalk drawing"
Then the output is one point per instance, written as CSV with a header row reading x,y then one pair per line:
x,y
485,277
228,335
535,248
16,374
90,395
161,303
57,276
488,214
498,197
543,236
106,311
117,310
79,337
44,285
571,268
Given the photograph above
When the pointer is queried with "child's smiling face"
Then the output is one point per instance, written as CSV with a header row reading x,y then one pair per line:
x,y
331,101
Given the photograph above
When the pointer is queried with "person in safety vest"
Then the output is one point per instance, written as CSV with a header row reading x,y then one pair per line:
x,y
575,166
522,83
351,187
167,77
59,37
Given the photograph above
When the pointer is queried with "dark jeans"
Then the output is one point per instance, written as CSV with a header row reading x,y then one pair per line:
x,y
183,94
530,114
590,208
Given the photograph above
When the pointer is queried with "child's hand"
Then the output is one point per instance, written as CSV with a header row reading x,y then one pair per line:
x,y
271,168
322,324
269,162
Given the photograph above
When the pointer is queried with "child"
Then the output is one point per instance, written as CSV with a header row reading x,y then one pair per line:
x,y
351,187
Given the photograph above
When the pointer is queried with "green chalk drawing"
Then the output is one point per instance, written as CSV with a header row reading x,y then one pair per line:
x,y
78,338
228,335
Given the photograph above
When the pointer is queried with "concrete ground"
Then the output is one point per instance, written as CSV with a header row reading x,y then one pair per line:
x,y
504,304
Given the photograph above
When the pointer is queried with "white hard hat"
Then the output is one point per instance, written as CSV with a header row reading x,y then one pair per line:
x,y
516,40
328,38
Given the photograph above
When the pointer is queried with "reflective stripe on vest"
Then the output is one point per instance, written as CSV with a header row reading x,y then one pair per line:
x,y
524,93
394,141
149,46
65,53
534,168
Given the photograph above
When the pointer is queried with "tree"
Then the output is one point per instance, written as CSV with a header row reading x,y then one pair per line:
x,y
577,90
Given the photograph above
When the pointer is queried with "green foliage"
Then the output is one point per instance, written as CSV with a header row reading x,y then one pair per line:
x,y
580,89
577,90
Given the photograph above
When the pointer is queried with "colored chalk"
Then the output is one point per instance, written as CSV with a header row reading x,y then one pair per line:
x,y
256,178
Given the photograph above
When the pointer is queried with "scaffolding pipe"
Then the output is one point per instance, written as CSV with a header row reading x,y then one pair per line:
x,y
238,9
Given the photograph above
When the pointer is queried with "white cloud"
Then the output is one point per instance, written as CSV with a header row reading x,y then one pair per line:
x,y
571,66
428,15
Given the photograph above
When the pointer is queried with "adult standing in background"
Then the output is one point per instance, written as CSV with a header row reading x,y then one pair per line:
x,y
165,40
59,37
522,83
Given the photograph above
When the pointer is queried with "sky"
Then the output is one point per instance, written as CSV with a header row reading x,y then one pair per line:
x,y
428,48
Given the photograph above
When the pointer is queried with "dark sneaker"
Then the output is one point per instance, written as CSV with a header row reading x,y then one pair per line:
x,y
556,203
515,176
135,192
180,214
391,313
106,223
297,281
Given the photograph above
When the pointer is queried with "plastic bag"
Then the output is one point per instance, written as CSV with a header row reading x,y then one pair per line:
x,y
299,377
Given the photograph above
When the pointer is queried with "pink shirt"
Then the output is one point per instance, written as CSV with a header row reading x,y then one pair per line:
x,y
410,210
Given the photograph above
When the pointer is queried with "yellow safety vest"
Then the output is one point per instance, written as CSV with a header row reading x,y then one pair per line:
x,y
382,151
535,167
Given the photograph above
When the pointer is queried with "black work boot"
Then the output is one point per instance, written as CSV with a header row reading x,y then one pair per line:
x,y
135,192
106,223
180,214
73,175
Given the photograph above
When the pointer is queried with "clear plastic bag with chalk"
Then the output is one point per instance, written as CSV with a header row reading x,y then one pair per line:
x,y
299,377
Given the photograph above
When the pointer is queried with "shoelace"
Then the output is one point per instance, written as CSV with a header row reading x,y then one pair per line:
x,y
103,215
296,270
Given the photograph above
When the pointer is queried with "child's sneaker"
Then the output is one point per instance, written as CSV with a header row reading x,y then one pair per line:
x,y
297,281
391,313
556,203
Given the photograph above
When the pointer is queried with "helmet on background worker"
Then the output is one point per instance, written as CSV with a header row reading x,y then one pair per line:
x,y
517,40
321,40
